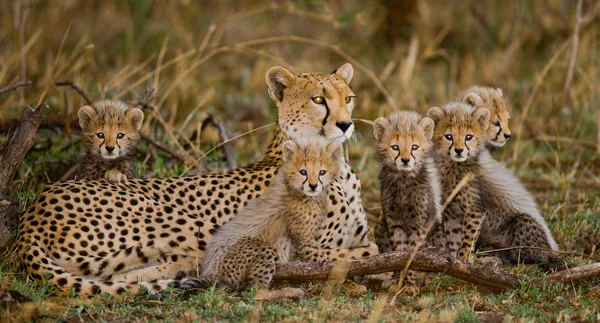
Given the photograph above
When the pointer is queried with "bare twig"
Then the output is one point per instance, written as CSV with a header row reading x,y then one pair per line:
x,y
145,99
164,148
76,88
580,22
211,119
20,144
424,260
576,274
70,173
14,86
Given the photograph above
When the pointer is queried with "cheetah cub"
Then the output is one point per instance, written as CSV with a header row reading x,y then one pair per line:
x,y
410,191
498,131
281,224
111,130
511,218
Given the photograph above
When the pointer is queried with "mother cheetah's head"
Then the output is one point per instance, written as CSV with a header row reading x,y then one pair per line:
x,y
313,104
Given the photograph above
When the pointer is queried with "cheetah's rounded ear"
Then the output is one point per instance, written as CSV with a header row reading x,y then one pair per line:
x,y
482,116
278,79
427,125
436,114
473,99
346,72
335,150
85,115
289,149
135,116
379,126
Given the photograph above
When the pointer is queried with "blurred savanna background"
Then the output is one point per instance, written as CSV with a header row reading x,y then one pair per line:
x,y
208,59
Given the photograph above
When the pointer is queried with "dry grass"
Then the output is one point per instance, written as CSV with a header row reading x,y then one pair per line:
x,y
211,58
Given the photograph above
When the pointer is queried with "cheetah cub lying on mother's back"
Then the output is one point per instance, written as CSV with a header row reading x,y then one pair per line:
x,y
281,224
410,191
110,133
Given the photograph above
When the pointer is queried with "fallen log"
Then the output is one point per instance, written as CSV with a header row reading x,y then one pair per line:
x,y
425,260
585,272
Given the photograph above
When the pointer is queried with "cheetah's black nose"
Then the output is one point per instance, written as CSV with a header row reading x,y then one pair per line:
x,y
110,148
507,136
344,125
313,186
405,160
458,150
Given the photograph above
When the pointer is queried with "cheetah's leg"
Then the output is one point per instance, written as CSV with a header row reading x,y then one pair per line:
x,y
525,231
471,230
453,230
173,266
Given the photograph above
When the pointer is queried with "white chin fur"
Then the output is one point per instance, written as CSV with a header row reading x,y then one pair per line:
x,y
311,193
497,143
111,156
459,158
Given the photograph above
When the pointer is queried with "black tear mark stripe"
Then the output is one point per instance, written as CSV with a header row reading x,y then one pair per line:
x,y
324,122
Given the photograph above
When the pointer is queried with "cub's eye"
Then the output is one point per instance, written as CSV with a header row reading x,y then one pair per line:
x,y
303,172
100,135
349,99
415,147
318,100
395,148
120,135
448,137
322,172
497,123
468,137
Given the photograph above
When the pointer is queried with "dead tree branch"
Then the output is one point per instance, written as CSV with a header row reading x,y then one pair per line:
x,y
579,24
424,260
211,119
20,144
14,86
76,88
146,98
576,274
162,147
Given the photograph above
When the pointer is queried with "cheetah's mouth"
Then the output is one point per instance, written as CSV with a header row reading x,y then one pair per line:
x,y
312,193
495,142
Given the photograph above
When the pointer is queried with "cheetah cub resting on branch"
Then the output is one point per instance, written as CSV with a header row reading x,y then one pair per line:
x,y
511,219
410,191
110,131
281,224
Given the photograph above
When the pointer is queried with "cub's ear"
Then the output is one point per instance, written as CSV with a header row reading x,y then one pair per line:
x,y
85,115
346,72
289,149
135,116
335,150
427,125
482,116
436,114
473,99
379,126
278,79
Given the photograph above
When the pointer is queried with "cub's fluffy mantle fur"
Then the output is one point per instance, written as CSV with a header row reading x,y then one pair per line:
x,y
110,131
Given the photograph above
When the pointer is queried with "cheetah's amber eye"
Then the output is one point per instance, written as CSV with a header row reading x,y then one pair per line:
x,y
322,172
497,123
303,172
349,99
395,148
448,137
318,100
120,135
100,135
468,137
415,147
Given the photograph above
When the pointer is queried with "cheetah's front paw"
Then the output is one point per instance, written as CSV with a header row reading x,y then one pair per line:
x,y
115,176
287,292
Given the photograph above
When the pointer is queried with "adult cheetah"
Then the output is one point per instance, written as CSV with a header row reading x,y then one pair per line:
x,y
92,237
